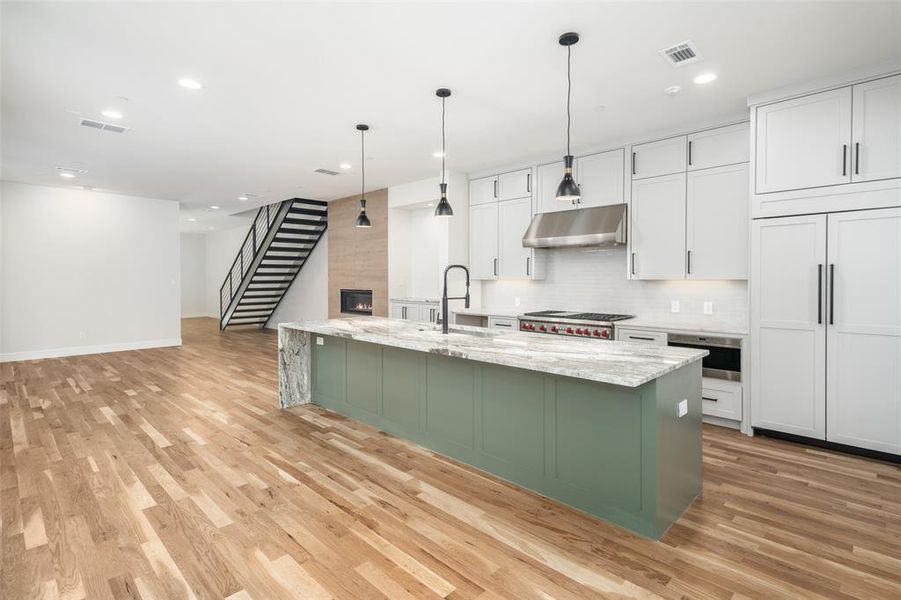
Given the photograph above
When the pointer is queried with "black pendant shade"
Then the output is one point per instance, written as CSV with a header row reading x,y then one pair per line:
x,y
444,208
568,190
362,218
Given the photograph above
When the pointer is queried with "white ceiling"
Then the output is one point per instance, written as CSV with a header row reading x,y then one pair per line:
x,y
286,83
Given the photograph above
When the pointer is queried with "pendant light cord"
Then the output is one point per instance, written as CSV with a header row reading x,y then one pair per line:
x,y
443,143
363,168
569,85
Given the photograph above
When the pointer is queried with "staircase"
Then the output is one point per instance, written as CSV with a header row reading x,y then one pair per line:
x,y
278,244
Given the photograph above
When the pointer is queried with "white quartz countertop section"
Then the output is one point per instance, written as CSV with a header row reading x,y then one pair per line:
x,y
619,363
487,312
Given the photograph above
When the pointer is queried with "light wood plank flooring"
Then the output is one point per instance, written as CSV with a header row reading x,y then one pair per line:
x,y
170,474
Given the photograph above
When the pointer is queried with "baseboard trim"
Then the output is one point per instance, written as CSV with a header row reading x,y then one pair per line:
x,y
81,350
800,439
199,315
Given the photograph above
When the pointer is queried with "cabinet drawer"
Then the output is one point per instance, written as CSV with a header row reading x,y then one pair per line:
x,y
511,323
721,398
624,334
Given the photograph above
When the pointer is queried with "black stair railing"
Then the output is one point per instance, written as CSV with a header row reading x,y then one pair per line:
x,y
262,223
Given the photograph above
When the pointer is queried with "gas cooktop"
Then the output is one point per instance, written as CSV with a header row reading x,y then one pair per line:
x,y
583,316
580,324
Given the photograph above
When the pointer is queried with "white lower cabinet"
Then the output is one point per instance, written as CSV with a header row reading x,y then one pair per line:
x,y
826,327
426,312
717,223
658,227
643,336
721,398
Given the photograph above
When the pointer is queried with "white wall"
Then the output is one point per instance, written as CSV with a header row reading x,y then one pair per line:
x,y
86,272
307,298
595,280
221,249
193,275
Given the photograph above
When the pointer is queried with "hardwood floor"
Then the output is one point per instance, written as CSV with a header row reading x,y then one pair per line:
x,y
170,473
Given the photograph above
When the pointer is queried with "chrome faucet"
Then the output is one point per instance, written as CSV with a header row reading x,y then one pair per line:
x,y
444,298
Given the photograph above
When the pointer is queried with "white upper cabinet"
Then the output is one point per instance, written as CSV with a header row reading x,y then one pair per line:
x,y
717,147
717,223
877,129
659,158
483,191
483,235
804,142
549,177
517,184
514,217
658,227
600,177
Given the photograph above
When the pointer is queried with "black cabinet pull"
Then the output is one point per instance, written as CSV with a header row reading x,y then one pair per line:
x,y
495,188
633,263
689,262
689,153
633,164
844,160
706,398
529,183
832,293
819,294
529,266
638,337
857,158
495,267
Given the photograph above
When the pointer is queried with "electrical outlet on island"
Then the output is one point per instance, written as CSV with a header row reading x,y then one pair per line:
x,y
708,308
674,306
516,301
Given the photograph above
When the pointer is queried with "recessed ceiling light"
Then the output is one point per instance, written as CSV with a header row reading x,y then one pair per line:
x,y
191,84
211,228
705,78
345,165
67,175
672,90
438,154
429,204
112,114
242,198
214,207
192,219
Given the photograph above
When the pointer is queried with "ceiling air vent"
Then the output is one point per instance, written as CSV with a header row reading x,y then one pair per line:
x,y
681,54
326,172
103,126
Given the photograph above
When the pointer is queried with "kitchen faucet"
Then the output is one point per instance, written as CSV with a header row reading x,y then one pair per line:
x,y
444,298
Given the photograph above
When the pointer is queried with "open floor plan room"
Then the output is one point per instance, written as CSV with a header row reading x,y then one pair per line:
x,y
171,473
476,300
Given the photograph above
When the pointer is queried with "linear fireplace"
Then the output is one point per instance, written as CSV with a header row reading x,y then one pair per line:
x,y
358,302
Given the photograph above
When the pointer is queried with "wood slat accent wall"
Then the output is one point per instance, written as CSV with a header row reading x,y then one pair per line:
x,y
358,257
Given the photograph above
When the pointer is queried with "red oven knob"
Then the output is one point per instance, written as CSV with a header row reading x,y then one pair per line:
x,y
553,329
523,325
578,332
605,334
596,333
569,330
586,332
542,328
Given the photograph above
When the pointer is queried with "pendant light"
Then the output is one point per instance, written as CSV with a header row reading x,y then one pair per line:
x,y
568,191
444,208
363,218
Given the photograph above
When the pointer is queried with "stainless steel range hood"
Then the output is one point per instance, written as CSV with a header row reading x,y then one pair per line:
x,y
602,226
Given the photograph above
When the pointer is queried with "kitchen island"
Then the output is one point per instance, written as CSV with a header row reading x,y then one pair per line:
x,y
611,428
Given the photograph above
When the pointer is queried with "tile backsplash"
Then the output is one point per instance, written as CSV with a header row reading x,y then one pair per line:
x,y
586,279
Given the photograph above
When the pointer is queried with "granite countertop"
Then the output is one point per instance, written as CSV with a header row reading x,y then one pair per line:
x,y
619,363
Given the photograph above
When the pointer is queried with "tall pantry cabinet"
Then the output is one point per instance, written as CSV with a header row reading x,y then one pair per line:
x,y
825,284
